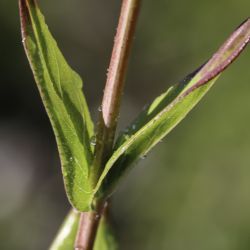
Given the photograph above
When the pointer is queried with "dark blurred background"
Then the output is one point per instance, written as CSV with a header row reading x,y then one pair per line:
x,y
193,191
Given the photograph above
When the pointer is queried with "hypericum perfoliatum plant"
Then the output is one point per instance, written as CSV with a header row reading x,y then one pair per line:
x,y
92,171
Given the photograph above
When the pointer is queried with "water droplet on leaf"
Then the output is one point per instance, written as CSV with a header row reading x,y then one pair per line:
x,y
123,149
93,140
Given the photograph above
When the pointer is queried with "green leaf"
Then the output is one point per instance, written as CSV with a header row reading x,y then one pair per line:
x,y
66,236
105,239
61,91
168,110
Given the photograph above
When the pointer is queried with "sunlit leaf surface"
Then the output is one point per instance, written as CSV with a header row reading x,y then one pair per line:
x,y
61,91
159,118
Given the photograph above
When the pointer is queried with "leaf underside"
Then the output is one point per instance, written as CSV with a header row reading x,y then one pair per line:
x,y
61,91
159,118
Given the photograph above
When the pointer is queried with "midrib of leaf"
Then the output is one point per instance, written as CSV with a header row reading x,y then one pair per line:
x,y
42,48
157,121
151,125
51,91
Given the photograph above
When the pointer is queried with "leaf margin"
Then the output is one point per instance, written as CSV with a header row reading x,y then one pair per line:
x,y
31,17
206,75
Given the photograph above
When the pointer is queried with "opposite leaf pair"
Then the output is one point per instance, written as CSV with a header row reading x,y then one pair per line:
x,y
61,91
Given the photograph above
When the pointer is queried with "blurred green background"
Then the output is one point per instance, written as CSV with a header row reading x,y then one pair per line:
x,y
193,191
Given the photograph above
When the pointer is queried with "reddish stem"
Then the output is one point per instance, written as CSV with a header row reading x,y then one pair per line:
x,y
110,111
115,83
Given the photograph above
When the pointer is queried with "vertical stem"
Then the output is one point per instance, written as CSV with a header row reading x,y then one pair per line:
x,y
109,115
87,230
115,83
87,220
88,226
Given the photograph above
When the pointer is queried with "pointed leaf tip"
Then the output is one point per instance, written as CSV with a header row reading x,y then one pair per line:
x,y
23,12
226,55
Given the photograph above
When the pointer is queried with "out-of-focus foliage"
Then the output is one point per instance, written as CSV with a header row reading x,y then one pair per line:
x,y
198,191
